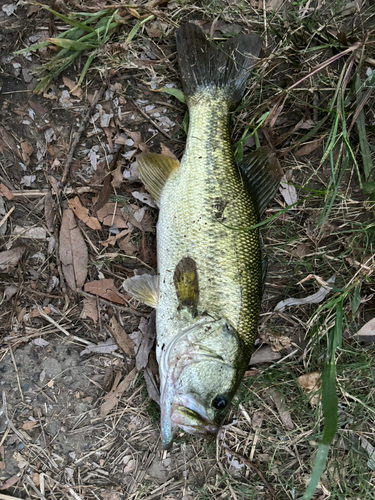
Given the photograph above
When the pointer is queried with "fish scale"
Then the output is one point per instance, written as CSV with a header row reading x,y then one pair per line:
x,y
227,256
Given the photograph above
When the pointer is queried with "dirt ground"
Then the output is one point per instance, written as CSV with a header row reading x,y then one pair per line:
x,y
79,417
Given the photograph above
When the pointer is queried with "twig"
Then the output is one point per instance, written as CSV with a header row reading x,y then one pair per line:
x,y
62,329
28,480
108,303
35,193
78,134
42,294
2,221
16,370
150,119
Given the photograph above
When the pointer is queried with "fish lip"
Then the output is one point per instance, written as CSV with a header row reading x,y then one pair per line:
x,y
196,419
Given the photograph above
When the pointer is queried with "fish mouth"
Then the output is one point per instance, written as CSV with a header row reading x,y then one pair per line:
x,y
191,416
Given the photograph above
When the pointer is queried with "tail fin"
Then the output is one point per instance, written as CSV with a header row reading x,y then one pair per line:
x,y
205,65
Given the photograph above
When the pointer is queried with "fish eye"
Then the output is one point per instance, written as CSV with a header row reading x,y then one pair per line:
x,y
220,402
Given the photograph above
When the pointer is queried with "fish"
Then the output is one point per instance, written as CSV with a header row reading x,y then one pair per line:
x,y
210,277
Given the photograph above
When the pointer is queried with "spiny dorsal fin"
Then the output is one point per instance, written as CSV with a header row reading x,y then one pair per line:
x,y
144,288
261,173
154,170
186,282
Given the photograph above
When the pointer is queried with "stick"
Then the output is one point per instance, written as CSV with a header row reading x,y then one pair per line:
x,y
78,135
150,120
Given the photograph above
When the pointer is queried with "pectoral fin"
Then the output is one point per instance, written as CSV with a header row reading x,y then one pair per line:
x,y
155,170
261,173
186,282
144,288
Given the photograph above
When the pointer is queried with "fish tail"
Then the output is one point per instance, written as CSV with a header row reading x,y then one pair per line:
x,y
206,66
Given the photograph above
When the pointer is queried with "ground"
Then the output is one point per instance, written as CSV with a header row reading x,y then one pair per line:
x,y
79,381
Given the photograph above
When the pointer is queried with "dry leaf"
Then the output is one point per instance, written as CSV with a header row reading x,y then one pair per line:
x,y
167,152
49,211
111,240
311,382
106,289
284,414
122,338
152,388
90,309
5,192
117,176
112,398
135,136
308,148
127,246
288,191
83,214
73,252
301,250
29,424
144,198
74,89
105,347
27,151
11,257
310,299
277,342
36,479
37,233
367,332
144,339
156,29
264,355
10,482
111,215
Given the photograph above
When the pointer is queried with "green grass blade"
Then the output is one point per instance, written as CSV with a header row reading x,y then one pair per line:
x,y
177,93
136,28
75,45
320,461
68,20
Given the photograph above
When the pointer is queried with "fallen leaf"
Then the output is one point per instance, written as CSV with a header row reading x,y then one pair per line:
x,y
144,198
284,414
36,479
311,382
135,136
7,143
276,341
366,445
367,332
156,29
104,193
288,191
167,152
9,292
11,257
49,211
90,309
83,214
127,246
308,148
111,240
122,338
117,176
152,388
3,220
2,455
10,482
301,250
257,419
310,299
29,424
73,252
37,233
74,89
113,397
27,151
105,347
106,289
111,215
144,339
5,192
264,355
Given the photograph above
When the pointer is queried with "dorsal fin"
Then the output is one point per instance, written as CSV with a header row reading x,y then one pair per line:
x,y
154,171
261,173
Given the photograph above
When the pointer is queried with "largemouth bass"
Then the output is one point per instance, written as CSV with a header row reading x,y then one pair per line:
x,y
208,290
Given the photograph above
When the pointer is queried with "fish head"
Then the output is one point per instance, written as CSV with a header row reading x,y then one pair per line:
x,y
200,373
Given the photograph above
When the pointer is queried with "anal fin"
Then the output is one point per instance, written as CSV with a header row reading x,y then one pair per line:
x,y
155,170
